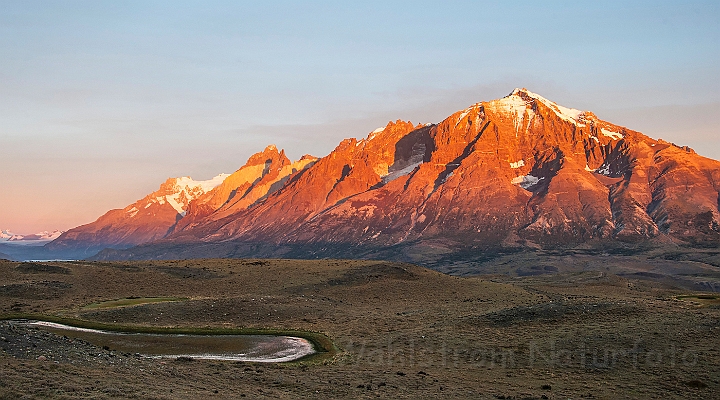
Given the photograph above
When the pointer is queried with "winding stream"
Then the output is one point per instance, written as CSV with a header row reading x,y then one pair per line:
x,y
255,348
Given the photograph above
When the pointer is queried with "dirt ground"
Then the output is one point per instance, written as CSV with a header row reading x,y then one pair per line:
x,y
404,332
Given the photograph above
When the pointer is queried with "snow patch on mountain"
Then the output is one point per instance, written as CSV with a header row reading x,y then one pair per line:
x,y
461,116
374,133
178,206
568,114
516,106
517,164
604,170
402,172
187,189
526,181
464,113
614,135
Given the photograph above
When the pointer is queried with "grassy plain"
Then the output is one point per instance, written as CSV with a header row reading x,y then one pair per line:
x,y
402,331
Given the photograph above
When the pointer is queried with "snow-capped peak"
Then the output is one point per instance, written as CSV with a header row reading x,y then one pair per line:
x,y
568,114
186,182
44,236
187,189
374,133
182,191
518,104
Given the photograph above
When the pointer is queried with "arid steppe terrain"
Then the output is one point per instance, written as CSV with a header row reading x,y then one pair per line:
x,y
401,331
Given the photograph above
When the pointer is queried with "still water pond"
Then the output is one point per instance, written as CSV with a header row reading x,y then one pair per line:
x,y
257,348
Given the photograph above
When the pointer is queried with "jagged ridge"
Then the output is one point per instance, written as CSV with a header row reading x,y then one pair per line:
x,y
520,171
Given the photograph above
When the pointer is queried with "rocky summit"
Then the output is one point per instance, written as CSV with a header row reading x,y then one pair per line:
x,y
521,172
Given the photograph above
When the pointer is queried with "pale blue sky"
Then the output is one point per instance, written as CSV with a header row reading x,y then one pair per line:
x,y
101,101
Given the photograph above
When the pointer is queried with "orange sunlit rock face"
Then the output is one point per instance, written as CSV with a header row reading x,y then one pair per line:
x,y
520,171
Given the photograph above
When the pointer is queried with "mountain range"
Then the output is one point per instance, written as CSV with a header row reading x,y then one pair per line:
x,y
42,237
520,172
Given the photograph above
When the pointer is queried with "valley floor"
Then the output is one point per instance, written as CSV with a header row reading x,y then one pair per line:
x,y
403,331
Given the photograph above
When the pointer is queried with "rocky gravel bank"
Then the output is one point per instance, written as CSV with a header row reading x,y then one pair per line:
x,y
27,342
